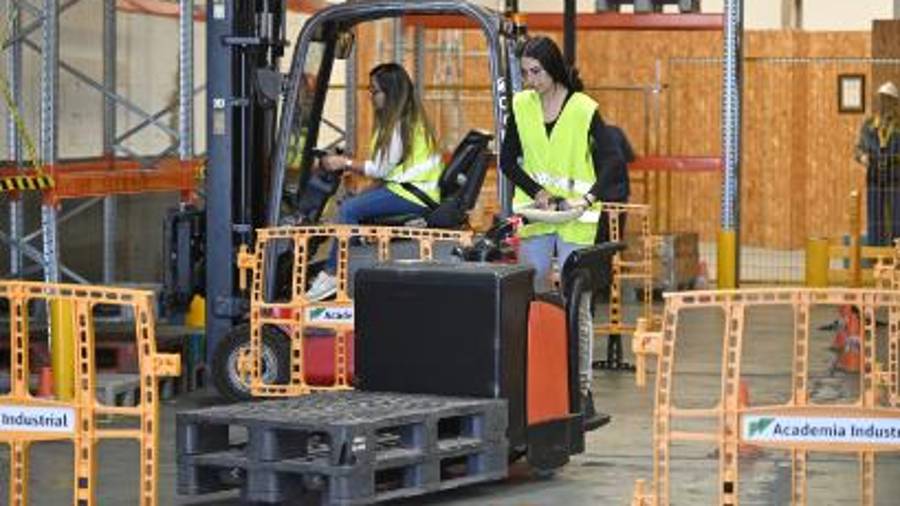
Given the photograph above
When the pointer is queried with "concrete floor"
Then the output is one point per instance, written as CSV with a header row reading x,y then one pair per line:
x,y
616,455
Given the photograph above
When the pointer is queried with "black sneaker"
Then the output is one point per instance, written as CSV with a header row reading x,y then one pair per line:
x,y
592,419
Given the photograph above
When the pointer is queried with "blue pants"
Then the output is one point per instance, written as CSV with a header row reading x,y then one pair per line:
x,y
882,213
537,252
370,204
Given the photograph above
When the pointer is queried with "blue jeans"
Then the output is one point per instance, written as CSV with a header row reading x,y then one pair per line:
x,y
370,204
537,252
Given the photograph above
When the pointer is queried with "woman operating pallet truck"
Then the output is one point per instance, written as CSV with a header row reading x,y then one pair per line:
x,y
556,154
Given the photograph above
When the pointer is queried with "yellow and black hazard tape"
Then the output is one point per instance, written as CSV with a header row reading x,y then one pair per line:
x,y
17,183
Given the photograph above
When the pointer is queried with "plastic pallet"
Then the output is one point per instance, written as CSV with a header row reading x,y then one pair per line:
x,y
342,448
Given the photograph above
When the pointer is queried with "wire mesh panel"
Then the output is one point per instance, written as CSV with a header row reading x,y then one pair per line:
x,y
801,155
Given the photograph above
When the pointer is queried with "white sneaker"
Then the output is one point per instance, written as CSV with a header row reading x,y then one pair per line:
x,y
322,287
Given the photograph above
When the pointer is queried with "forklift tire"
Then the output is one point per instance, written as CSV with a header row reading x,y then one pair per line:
x,y
276,361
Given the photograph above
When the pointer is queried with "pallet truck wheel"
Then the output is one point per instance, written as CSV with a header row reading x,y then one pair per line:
x,y
275,361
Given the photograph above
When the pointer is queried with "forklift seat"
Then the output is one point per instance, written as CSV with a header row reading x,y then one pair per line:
x,y
459,184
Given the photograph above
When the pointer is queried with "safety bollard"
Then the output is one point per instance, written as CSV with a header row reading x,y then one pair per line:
x,y
817,262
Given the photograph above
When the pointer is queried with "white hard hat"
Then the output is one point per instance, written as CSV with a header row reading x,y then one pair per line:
x,y
889,89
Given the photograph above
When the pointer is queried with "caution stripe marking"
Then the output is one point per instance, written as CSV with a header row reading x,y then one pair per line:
x,y
15,183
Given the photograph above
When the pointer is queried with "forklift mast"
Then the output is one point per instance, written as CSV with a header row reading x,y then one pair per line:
x,y
256,171
245,41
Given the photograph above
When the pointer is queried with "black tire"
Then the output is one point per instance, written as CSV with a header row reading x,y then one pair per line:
x,y
276,355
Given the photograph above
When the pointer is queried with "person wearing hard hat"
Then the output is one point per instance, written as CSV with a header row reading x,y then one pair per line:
x,y
877,149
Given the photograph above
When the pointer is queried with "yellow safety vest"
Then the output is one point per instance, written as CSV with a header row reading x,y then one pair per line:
x,y
422,168
562,164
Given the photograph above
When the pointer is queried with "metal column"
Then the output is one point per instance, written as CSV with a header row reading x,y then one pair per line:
x,y
569,35
728,272
398,41
186,80
49,93
14,144
419,60
351,80
109,136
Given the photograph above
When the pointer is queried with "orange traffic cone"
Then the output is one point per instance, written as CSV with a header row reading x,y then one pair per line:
x,y
702,280
840,337
743,395
746,450
45,382
849,358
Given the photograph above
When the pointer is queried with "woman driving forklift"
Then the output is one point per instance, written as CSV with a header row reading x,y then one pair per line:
x,y
405,156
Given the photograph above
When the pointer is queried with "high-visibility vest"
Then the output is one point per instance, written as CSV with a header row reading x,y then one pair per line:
x,y
561,163
422,168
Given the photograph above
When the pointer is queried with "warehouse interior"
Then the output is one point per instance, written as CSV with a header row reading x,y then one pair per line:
x,y
177,185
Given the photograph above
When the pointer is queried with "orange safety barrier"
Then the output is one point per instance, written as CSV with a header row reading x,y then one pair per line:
x,y
26,419
887,277
847,427
294,313
638,267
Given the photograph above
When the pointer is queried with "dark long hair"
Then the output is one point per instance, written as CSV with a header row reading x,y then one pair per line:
x,y
547,53
401,107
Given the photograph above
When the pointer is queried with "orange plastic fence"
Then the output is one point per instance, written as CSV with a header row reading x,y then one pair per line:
x,y
27,419
296,313
638,268
739,425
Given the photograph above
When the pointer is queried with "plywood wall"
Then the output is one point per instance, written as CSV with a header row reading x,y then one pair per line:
x,y
796,169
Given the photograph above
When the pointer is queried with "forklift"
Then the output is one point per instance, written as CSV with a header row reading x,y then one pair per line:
x,y
263,131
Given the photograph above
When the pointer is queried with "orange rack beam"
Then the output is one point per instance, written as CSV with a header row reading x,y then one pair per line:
x,y
588,21
677,163
101,177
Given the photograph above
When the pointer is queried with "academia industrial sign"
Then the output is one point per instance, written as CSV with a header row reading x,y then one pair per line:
x,y
801,429
37,419
330,315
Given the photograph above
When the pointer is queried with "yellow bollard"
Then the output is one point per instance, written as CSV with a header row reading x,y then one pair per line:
x,y
726,272
196,314
62,348
817,262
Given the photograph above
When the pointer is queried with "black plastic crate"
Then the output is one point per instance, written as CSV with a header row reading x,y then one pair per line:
x,y
343,448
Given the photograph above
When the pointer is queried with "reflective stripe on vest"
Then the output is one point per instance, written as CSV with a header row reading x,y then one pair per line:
x,y
561,162
422,168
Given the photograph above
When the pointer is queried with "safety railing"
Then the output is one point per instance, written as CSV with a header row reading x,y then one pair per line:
x,y
286,306
864,423
73,413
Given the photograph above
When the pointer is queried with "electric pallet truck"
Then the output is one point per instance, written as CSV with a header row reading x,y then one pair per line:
x,y
460,369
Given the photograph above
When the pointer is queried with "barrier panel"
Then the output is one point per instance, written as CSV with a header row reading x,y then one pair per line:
x,y
637,268
855,418
26,419
286,307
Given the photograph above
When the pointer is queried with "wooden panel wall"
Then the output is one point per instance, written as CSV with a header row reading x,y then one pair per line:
x,y
797,167
885,44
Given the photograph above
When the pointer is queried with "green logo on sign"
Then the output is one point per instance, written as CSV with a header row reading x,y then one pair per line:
x,y
316,312
759,426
